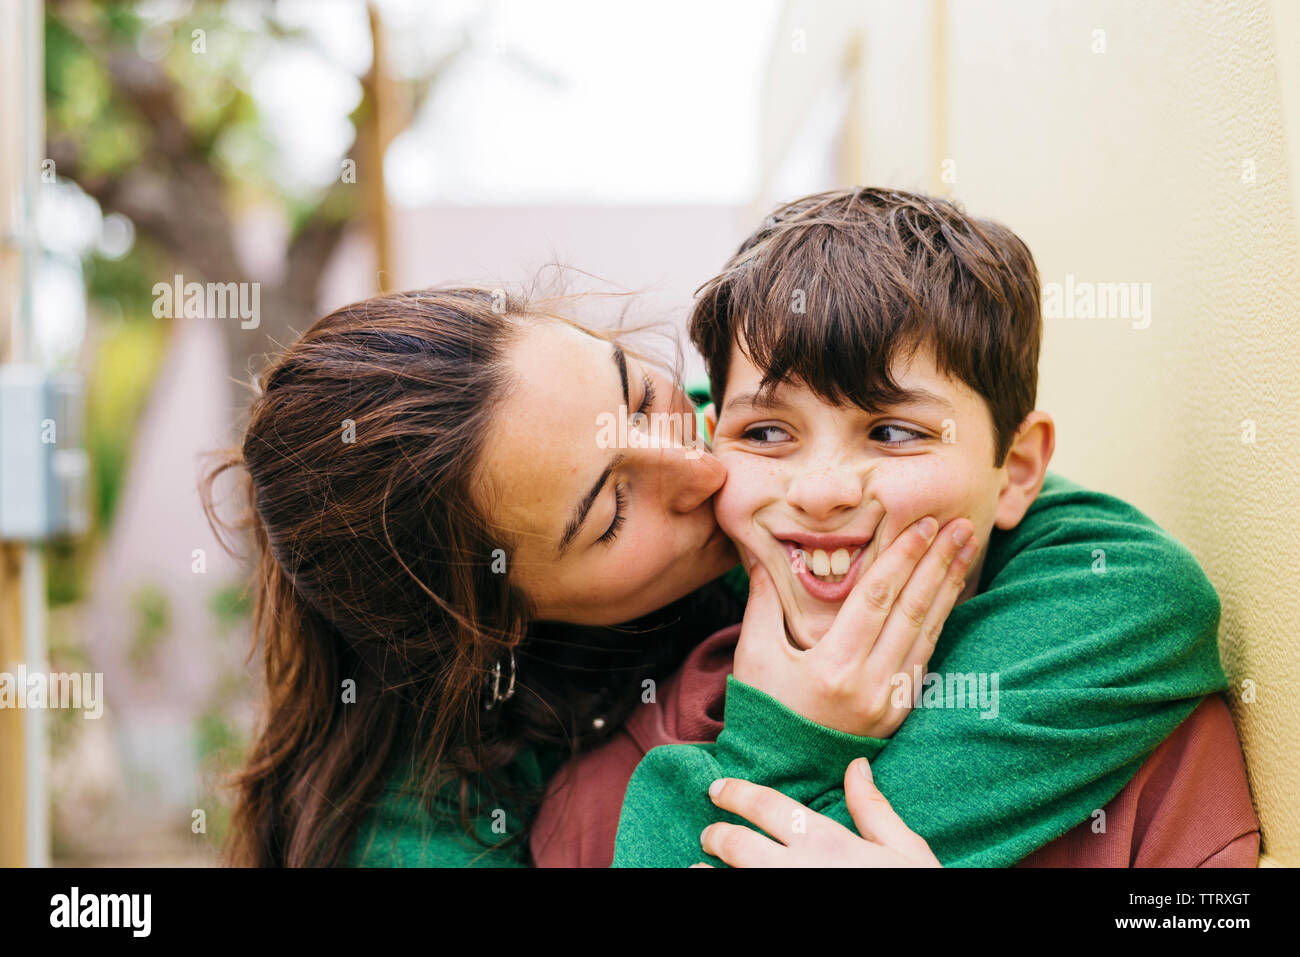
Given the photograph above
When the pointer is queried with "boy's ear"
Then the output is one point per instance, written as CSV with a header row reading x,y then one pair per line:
x,y
1026,468
711,419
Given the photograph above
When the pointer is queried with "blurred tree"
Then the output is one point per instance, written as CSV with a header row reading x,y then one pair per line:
x,y
156,120
171,137
143,137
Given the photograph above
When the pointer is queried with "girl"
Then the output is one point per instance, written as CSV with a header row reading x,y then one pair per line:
x,y
444,553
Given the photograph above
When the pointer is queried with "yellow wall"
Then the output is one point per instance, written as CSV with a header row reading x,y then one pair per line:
x,y
1126,166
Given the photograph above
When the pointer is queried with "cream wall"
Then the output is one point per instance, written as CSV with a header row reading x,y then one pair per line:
x,y
1128,165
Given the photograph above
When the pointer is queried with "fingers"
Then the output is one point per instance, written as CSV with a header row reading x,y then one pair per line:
x,y
862,617
762,630
739,846
774,812
872,814
766,808
764,617
927,598
941,606
761,586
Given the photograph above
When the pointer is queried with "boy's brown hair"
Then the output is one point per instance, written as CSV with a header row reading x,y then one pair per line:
x,y
833,286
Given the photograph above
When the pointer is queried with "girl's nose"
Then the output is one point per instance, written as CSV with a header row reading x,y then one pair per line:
x,y
691,477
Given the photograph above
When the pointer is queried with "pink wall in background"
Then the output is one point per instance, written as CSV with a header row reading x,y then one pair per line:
x,y
664,251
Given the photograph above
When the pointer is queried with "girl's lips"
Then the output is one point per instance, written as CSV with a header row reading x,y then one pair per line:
x,y
832,592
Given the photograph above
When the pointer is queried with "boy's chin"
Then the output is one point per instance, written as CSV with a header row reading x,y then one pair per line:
x,y
807,630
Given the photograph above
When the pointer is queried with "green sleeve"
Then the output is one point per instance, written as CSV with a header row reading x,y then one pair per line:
x,y
763,741
401,831
1095,636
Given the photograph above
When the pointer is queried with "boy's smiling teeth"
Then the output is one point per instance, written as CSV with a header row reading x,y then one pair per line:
x,y
829,567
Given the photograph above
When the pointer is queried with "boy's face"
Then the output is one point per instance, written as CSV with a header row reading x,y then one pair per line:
x,y
807,480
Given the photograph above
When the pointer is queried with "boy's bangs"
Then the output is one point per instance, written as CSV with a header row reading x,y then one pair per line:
x,y
837,336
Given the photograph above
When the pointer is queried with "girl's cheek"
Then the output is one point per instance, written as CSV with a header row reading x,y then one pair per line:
x,y
655,553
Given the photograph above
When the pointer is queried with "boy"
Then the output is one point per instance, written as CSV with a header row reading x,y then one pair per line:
x,y
873,355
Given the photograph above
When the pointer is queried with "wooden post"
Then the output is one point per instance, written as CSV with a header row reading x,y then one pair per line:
x,y
378,128
21,109
13,818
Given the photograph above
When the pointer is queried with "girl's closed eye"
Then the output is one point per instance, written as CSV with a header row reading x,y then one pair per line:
x,y
649,396
620,515
620,493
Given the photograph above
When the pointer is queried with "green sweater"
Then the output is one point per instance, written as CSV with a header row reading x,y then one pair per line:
x,y
401,833
1095,669
1102,631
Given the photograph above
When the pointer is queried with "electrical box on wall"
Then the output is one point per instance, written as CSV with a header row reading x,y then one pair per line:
x,y
43,466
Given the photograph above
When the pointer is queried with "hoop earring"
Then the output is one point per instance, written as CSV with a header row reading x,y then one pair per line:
x,y
497,696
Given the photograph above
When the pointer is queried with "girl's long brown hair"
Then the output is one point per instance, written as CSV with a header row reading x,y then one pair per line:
x,y
374,570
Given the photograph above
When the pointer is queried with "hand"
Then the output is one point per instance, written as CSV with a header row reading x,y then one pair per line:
x,y
807,838
888,625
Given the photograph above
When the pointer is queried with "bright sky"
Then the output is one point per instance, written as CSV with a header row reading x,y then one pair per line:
x,y
556,100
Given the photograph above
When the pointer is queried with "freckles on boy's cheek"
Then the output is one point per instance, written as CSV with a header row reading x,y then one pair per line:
x,y
749,487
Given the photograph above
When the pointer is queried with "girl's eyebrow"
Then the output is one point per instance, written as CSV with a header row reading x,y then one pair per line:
x,y
620,360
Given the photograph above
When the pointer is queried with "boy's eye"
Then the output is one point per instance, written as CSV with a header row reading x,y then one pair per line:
x,y
898,430
764,434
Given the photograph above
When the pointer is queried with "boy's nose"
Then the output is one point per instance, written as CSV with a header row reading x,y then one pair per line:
x,y
820,493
